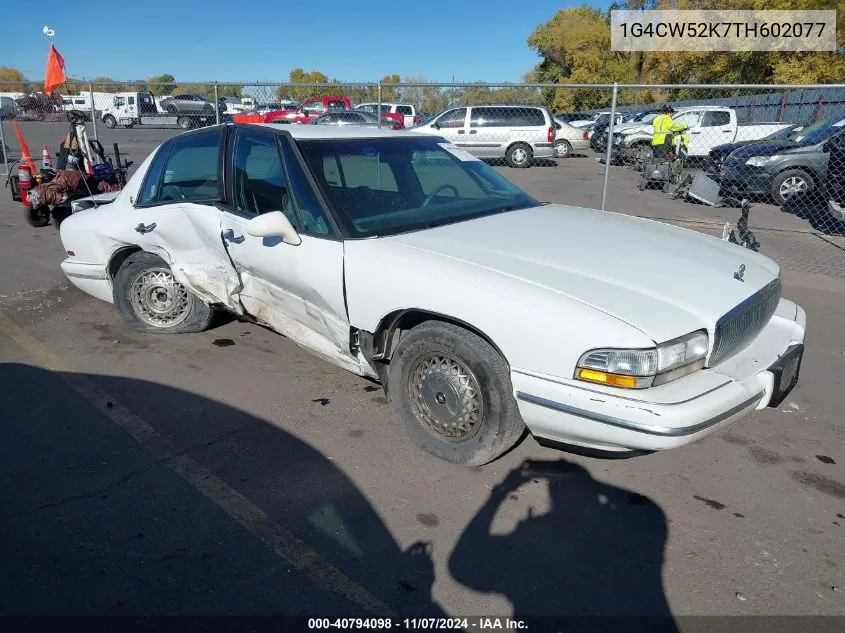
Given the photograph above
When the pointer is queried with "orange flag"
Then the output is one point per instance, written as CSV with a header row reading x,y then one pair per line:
x,y
55,75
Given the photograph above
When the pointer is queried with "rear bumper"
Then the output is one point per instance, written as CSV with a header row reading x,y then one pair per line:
x,y
89,278
672,415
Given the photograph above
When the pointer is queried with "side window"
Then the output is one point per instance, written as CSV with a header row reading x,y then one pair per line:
x,y
191,171
337,105
403,109
688,118
488,117
152,181
528,117
453,118
119,101
309,209
131,100
258,181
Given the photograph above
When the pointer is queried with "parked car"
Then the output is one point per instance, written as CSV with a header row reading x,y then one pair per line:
x,y
190,104
719,153
778,169
569,139
309,110
498,317
708,126
517,133
599,117
407,112
599,137
354,117
8,108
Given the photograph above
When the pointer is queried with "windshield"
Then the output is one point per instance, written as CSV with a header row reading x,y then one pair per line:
x,y
384,186
818,132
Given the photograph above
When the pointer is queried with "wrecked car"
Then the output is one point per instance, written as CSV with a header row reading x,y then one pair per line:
x,y
481,311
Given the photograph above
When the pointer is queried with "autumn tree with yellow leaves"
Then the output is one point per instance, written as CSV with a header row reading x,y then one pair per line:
x,y
575,48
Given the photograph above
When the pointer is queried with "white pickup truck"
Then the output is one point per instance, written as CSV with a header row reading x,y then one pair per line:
x,y
709,126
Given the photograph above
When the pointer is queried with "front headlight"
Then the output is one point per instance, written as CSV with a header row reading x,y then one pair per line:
x,y
617,139
757,161
642,368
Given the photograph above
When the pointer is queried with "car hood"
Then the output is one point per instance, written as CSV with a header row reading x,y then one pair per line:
x,y
771,149
727,148
661,279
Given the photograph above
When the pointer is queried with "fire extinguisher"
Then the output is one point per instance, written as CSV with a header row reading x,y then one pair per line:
x,y
25,179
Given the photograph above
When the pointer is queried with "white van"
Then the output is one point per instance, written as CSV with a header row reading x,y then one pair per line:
x,y
517,133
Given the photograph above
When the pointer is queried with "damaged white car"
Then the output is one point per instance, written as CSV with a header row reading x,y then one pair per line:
x,y
481,311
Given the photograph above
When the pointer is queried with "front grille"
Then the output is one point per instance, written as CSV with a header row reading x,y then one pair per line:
x,y
736,329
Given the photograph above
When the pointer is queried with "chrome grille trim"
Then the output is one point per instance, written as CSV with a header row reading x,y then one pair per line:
x,y
736,329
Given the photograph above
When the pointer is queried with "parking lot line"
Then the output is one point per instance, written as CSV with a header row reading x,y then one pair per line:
x,y
287,546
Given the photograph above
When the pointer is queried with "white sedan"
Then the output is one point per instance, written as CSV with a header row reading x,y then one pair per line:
x,y
569,138
481,311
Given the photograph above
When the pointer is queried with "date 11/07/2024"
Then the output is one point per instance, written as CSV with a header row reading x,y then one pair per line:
x,y
430,624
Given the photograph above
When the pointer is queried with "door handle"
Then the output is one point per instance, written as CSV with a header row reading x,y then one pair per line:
x,y
473,131
229,236
460,131
145,229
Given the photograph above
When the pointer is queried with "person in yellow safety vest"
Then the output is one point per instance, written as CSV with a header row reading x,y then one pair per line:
x,y
664,131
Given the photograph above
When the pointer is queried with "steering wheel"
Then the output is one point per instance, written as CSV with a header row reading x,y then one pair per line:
x,y
437,190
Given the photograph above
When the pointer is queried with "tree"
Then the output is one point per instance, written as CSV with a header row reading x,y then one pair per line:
x,y
390,93
575,48
300,93
428,99
13,80
161,84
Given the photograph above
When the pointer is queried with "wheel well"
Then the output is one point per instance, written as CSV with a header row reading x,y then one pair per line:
x,y
808,170
528,145
118,257
393,327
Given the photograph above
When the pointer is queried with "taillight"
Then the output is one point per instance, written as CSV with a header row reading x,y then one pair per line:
x,y
586,136
551,135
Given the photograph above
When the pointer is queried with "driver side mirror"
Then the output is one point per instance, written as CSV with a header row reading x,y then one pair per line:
x,y
435,125
274,224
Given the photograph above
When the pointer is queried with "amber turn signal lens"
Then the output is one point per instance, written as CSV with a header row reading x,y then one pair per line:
x,y
614,380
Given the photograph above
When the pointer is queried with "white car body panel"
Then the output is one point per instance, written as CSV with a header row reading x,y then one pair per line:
x,y
573,135
544,285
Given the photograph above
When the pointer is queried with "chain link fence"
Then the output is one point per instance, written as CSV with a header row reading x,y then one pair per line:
x,y
760,165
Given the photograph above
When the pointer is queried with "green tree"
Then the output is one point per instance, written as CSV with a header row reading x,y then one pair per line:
x,y
161,84
13,80
300,93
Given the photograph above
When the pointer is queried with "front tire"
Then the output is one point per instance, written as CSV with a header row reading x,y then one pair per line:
x,y
149,299
791,181
519,155
452,391
184,122
110,121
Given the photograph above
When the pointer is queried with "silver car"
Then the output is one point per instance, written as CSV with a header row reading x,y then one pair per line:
x,y
517,133
358,118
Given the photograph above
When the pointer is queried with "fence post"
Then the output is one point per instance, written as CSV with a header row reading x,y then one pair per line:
x,y
3,147
378,112
216,105
93,110
609,147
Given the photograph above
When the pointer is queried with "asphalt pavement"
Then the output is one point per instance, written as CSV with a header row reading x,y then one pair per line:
x,y
231,472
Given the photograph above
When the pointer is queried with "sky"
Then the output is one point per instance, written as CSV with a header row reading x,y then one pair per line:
x,y
468,40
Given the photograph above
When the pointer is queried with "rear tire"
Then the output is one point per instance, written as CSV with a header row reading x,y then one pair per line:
x,y
149,299
519,155
563,149
109,121
184,122
452,391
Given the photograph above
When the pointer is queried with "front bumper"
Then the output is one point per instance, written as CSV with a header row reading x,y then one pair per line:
x,y
671,415
743,179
